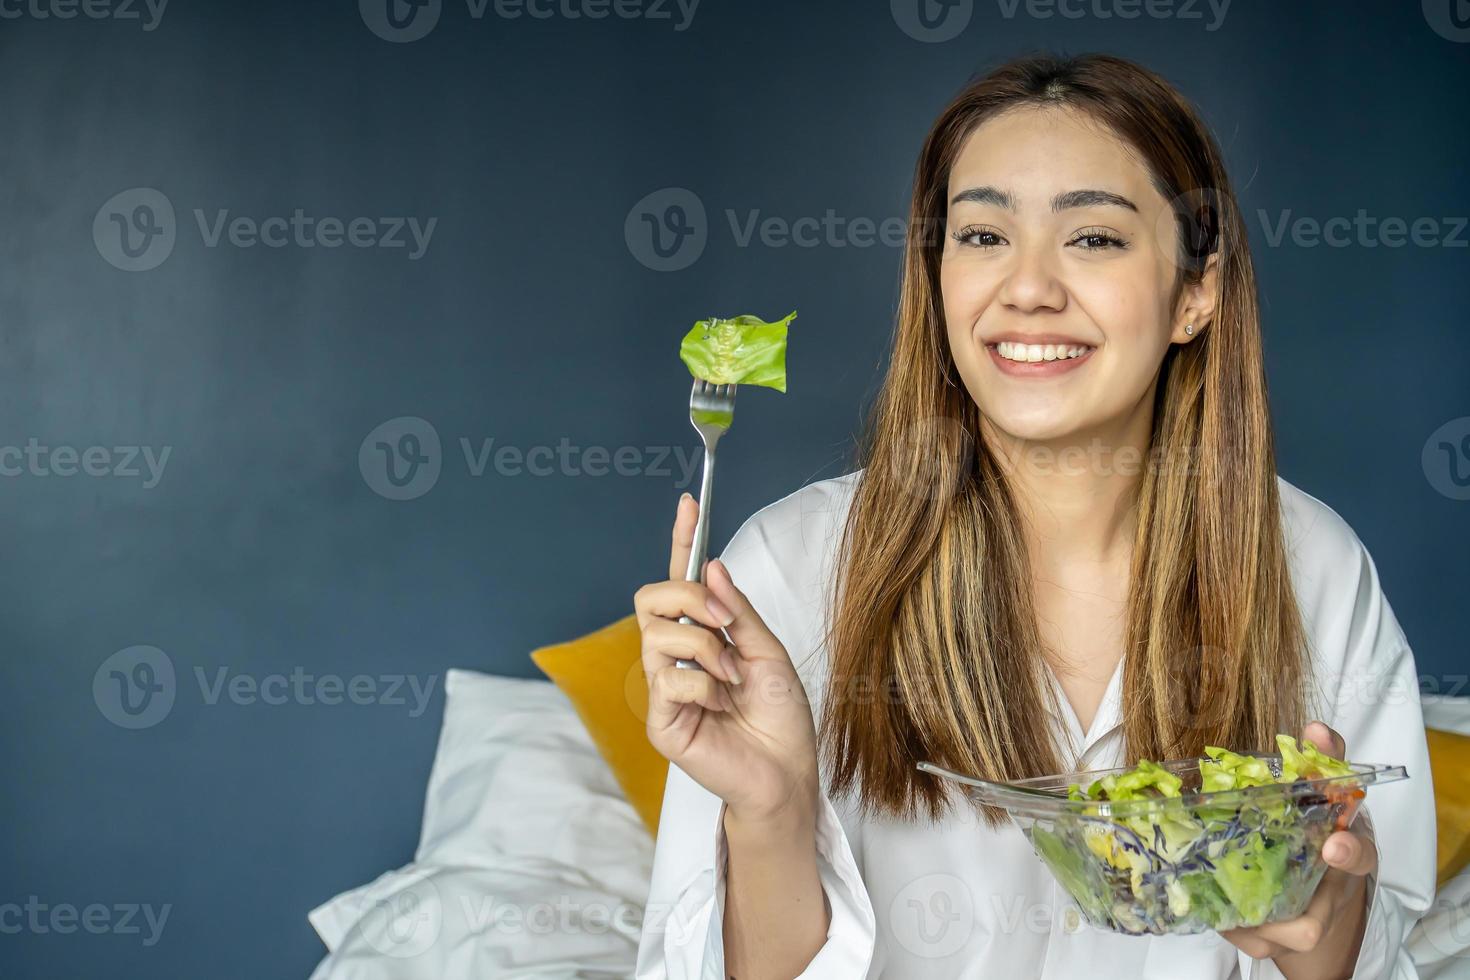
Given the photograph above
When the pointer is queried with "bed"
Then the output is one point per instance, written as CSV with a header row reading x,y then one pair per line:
x,y
532,863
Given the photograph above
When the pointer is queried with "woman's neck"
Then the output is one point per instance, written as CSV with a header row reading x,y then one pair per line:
x,y
1077,495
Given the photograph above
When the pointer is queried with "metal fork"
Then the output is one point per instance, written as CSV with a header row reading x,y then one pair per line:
x,y
711,411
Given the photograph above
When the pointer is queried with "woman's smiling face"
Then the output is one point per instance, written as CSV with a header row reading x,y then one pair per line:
x,y
1056,285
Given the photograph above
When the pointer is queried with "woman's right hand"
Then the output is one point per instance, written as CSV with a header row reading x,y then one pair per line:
x,y
742,727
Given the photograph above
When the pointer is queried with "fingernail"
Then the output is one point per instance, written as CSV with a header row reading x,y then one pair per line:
x,y
1335,852
685,496
717,609
727,661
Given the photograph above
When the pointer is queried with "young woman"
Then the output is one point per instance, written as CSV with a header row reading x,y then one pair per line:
x,y
1065,547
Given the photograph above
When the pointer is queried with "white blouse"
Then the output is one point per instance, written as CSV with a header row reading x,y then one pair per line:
x,y
957,899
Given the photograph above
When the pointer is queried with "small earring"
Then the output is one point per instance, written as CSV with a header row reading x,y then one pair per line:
x,y
1189,329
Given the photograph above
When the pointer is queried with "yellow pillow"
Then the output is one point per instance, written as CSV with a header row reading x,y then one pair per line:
x,y
1449,760
602,674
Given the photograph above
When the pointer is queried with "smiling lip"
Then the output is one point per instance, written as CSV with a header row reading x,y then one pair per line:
x,y
1061,364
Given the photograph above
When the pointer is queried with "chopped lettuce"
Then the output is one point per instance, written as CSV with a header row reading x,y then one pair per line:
x,y
1132,785
1308,761
1227,770
1072,871
1219,863
1206,899
1251,876
1136,784
743,350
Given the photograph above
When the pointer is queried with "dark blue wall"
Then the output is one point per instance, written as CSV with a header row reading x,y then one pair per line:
x,y
531,318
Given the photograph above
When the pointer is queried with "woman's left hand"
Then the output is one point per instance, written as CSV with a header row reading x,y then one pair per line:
x,y
1322,943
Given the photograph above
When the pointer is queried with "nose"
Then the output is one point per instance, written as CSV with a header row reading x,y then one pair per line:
x,y
1031,285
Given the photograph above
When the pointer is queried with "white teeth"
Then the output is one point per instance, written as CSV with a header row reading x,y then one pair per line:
x,y
1031,353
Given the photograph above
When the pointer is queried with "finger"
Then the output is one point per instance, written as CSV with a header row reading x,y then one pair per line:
x,y
1302,934
671,600
1320,735
1349,851
665,641
686,515
673,688
1250,942
746,628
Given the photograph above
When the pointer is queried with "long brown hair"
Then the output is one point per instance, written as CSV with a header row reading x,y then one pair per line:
x,y
935,649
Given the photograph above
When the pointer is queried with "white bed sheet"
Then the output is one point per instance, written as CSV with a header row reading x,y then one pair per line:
x,y
531,863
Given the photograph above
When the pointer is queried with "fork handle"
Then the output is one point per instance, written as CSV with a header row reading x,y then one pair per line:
x,y
700,548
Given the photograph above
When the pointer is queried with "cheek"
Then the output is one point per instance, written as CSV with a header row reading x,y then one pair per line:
x,y
965,294
1130,310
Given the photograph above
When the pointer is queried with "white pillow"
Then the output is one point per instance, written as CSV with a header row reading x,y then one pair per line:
x,y
531,862
1445,713
1440,941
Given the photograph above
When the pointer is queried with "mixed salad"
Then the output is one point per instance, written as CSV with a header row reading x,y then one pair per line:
x,y
742,350
1202,863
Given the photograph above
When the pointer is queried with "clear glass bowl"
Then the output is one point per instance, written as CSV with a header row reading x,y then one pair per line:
x,y
1192,863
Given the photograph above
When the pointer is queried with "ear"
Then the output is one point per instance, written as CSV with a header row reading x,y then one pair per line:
x,y
1197,303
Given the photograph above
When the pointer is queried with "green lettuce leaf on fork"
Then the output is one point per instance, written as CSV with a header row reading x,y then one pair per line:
x,y
744,350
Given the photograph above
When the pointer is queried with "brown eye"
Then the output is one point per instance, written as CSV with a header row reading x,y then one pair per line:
x,y
1097,239
977,237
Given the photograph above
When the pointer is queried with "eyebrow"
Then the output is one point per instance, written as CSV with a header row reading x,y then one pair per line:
x,y
1063,201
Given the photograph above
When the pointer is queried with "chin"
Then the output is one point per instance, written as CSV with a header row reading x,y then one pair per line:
x,y
1041,426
